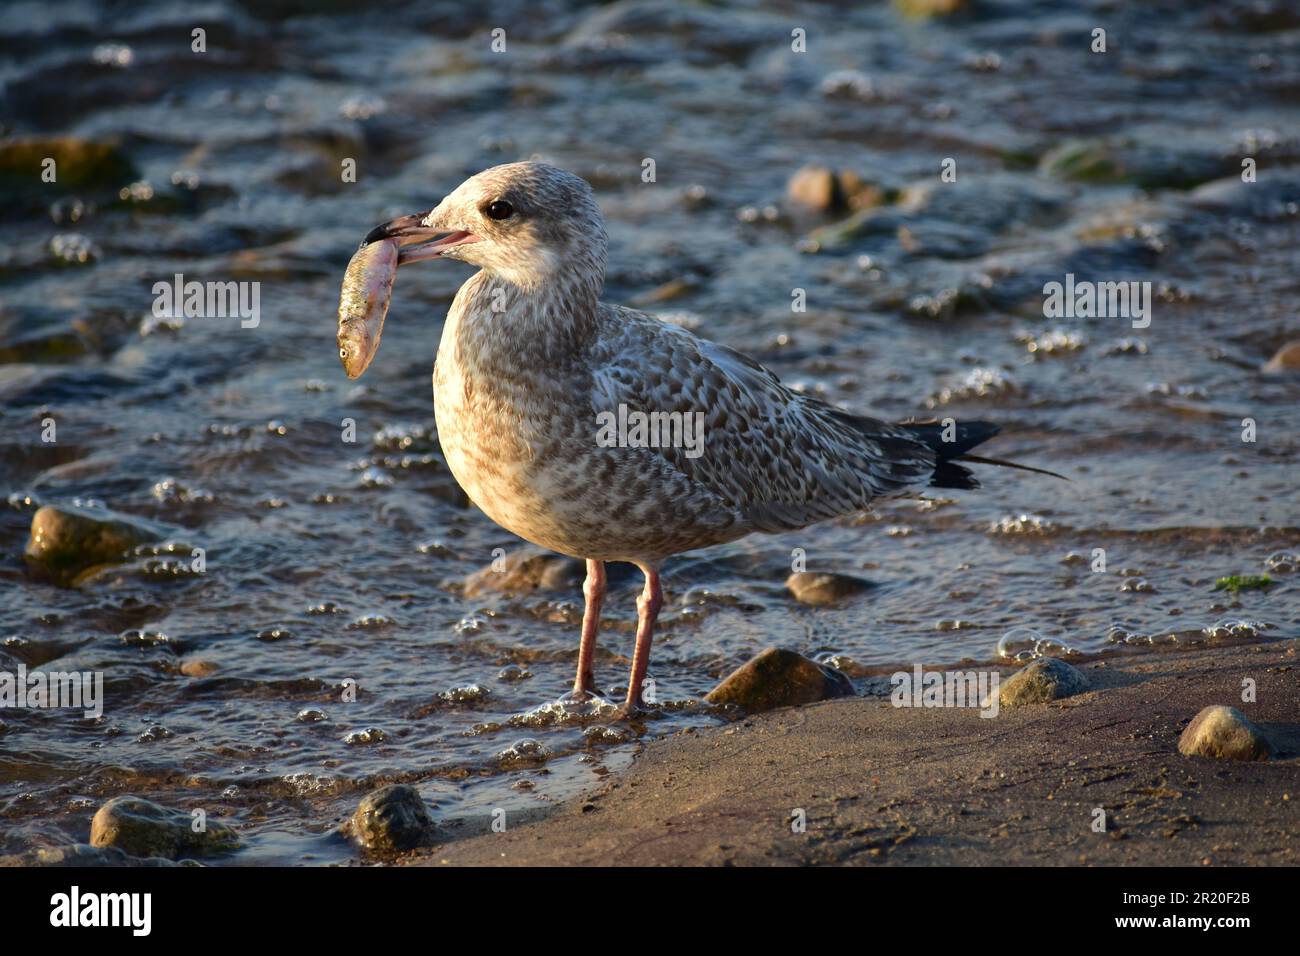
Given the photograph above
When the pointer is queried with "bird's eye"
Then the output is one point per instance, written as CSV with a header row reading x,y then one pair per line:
x,y
500,209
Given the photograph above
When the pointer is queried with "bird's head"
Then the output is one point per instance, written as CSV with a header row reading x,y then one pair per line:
x,y
527,223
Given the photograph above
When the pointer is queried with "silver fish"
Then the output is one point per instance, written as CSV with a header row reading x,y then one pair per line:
x,y
363,303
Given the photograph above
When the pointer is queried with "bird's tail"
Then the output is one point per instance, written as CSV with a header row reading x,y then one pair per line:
x,y
952,442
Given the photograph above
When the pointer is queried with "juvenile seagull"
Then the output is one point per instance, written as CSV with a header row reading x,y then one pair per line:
x,y
530,357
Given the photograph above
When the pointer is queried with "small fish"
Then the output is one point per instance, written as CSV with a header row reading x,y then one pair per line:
x,y
363,303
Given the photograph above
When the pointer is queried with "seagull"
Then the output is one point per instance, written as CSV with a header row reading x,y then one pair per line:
x,y
532,365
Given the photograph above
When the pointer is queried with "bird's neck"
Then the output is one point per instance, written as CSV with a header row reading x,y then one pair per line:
x,y
496,324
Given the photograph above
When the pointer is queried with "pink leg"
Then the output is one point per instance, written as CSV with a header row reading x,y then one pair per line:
x,y
593,589
648,604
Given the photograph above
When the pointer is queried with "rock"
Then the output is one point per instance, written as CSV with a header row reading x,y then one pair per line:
x,y
1045,679
779,678
1224,733
527,569
143,828
823,589
393,817
199,668
1287,359
80,855
67,539
922,9
78,163
815,187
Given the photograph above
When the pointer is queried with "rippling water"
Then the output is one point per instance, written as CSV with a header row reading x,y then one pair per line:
x,y
331,562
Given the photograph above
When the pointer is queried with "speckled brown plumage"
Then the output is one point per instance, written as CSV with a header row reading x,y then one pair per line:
x,y
530,357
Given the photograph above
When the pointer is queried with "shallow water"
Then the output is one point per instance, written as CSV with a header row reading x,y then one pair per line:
x,y
330,561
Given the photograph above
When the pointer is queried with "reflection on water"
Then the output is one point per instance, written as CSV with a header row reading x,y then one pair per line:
x,y
333,566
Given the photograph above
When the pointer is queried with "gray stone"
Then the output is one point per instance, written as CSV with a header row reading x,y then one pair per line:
x,y
80,855
779,678
67,539
1224,733
143,828
823,589
527,569
393,817
1044,680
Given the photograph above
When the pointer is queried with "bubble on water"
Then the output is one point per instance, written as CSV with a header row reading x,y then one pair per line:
x,y
272,634
1053,342
513,672
376,478
73,248
1235,628
1125,347
138,638
361,738
68,210
1283,562
465,694
847,84
139,192
1137,586
524,753
1018,641
980,382
370,622
113,54
164,568
898,531
362,106
435,548
310,784
1195,392
326,607
1022,524
153,733
558,713
470,625
953,624
982,62
401,435
151,324
603,734
311,715
15,640
169,491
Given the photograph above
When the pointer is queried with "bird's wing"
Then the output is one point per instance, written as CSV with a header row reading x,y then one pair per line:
x,y
781,459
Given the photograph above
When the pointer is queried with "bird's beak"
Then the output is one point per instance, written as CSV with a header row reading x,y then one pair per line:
x,y
413,234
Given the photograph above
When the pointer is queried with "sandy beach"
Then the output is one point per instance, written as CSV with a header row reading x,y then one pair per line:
x,y
882,785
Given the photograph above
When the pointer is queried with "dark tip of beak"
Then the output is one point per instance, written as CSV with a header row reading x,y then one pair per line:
x,y
409,228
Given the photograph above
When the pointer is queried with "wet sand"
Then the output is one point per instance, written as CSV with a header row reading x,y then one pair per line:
x,y
881,785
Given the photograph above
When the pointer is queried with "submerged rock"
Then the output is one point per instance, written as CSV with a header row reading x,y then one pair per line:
x,y
822,589
779,678
67,539
393,817
80,855
78,163
143,828
1224,733
527,569
1287,359
1044,680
